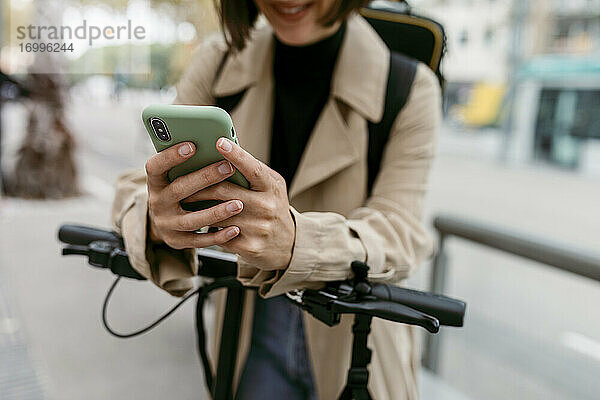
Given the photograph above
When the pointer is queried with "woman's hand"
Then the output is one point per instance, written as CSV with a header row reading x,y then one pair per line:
x,y
167,221
267,229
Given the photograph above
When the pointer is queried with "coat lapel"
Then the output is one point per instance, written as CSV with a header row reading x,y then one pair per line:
x,y
332,146
358,86
252,119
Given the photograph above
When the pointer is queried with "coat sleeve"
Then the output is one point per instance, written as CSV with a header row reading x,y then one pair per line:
x,y
387,232
170,269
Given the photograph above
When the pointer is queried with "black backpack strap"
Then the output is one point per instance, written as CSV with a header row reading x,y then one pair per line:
x,y
227,103
400,79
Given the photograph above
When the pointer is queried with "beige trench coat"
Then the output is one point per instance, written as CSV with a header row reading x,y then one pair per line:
x,y
335,221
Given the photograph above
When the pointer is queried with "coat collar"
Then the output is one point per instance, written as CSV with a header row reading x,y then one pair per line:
x,y
359,77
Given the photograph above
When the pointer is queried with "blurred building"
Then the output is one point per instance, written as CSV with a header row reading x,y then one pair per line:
x,y
478,37
557,86
477,63
531,67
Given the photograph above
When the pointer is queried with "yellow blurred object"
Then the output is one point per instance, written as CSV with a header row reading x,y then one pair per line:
x,y
483,106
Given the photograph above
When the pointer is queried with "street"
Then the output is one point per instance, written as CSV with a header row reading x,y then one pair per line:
x,y
531,332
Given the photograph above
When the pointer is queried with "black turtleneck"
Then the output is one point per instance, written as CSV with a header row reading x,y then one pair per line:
x,y
302,87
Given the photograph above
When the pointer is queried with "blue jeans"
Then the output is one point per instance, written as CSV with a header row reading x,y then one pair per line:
x,y
278,366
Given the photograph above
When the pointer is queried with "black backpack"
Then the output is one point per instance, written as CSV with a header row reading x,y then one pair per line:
x,y
411,39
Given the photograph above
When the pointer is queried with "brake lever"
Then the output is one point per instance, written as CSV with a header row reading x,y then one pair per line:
x,y
72,249
387,310
105,254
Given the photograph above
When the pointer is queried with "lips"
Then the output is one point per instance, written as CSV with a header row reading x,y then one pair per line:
x,y
291,11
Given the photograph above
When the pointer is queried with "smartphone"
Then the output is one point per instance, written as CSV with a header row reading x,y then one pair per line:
x,y
169,125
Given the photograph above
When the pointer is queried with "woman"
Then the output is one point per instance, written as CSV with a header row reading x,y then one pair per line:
x,y
313,77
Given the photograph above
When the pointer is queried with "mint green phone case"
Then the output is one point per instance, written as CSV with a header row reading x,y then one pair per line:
x,y
201,125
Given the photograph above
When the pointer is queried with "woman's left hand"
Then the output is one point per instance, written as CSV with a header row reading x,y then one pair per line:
x,y
267,229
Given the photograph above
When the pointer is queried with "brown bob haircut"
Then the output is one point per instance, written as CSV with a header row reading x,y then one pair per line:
x,y
239,16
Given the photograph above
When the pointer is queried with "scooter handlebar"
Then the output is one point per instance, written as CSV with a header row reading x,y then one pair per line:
x,y
448,311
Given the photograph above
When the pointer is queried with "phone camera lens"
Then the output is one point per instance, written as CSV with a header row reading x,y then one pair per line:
x,y
160,129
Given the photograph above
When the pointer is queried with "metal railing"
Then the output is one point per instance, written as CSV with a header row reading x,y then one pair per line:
x,y
567,258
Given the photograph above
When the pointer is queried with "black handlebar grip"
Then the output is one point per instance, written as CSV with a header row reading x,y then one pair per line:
x,y
448,311
84,235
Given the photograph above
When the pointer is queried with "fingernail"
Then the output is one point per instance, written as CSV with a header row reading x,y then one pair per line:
x,y
225,168
185,149
225,145
234,206
233,232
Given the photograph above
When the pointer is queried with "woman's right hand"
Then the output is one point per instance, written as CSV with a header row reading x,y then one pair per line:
x,y
167,221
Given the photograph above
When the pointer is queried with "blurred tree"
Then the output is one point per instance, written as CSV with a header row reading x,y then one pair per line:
x,y
45,167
